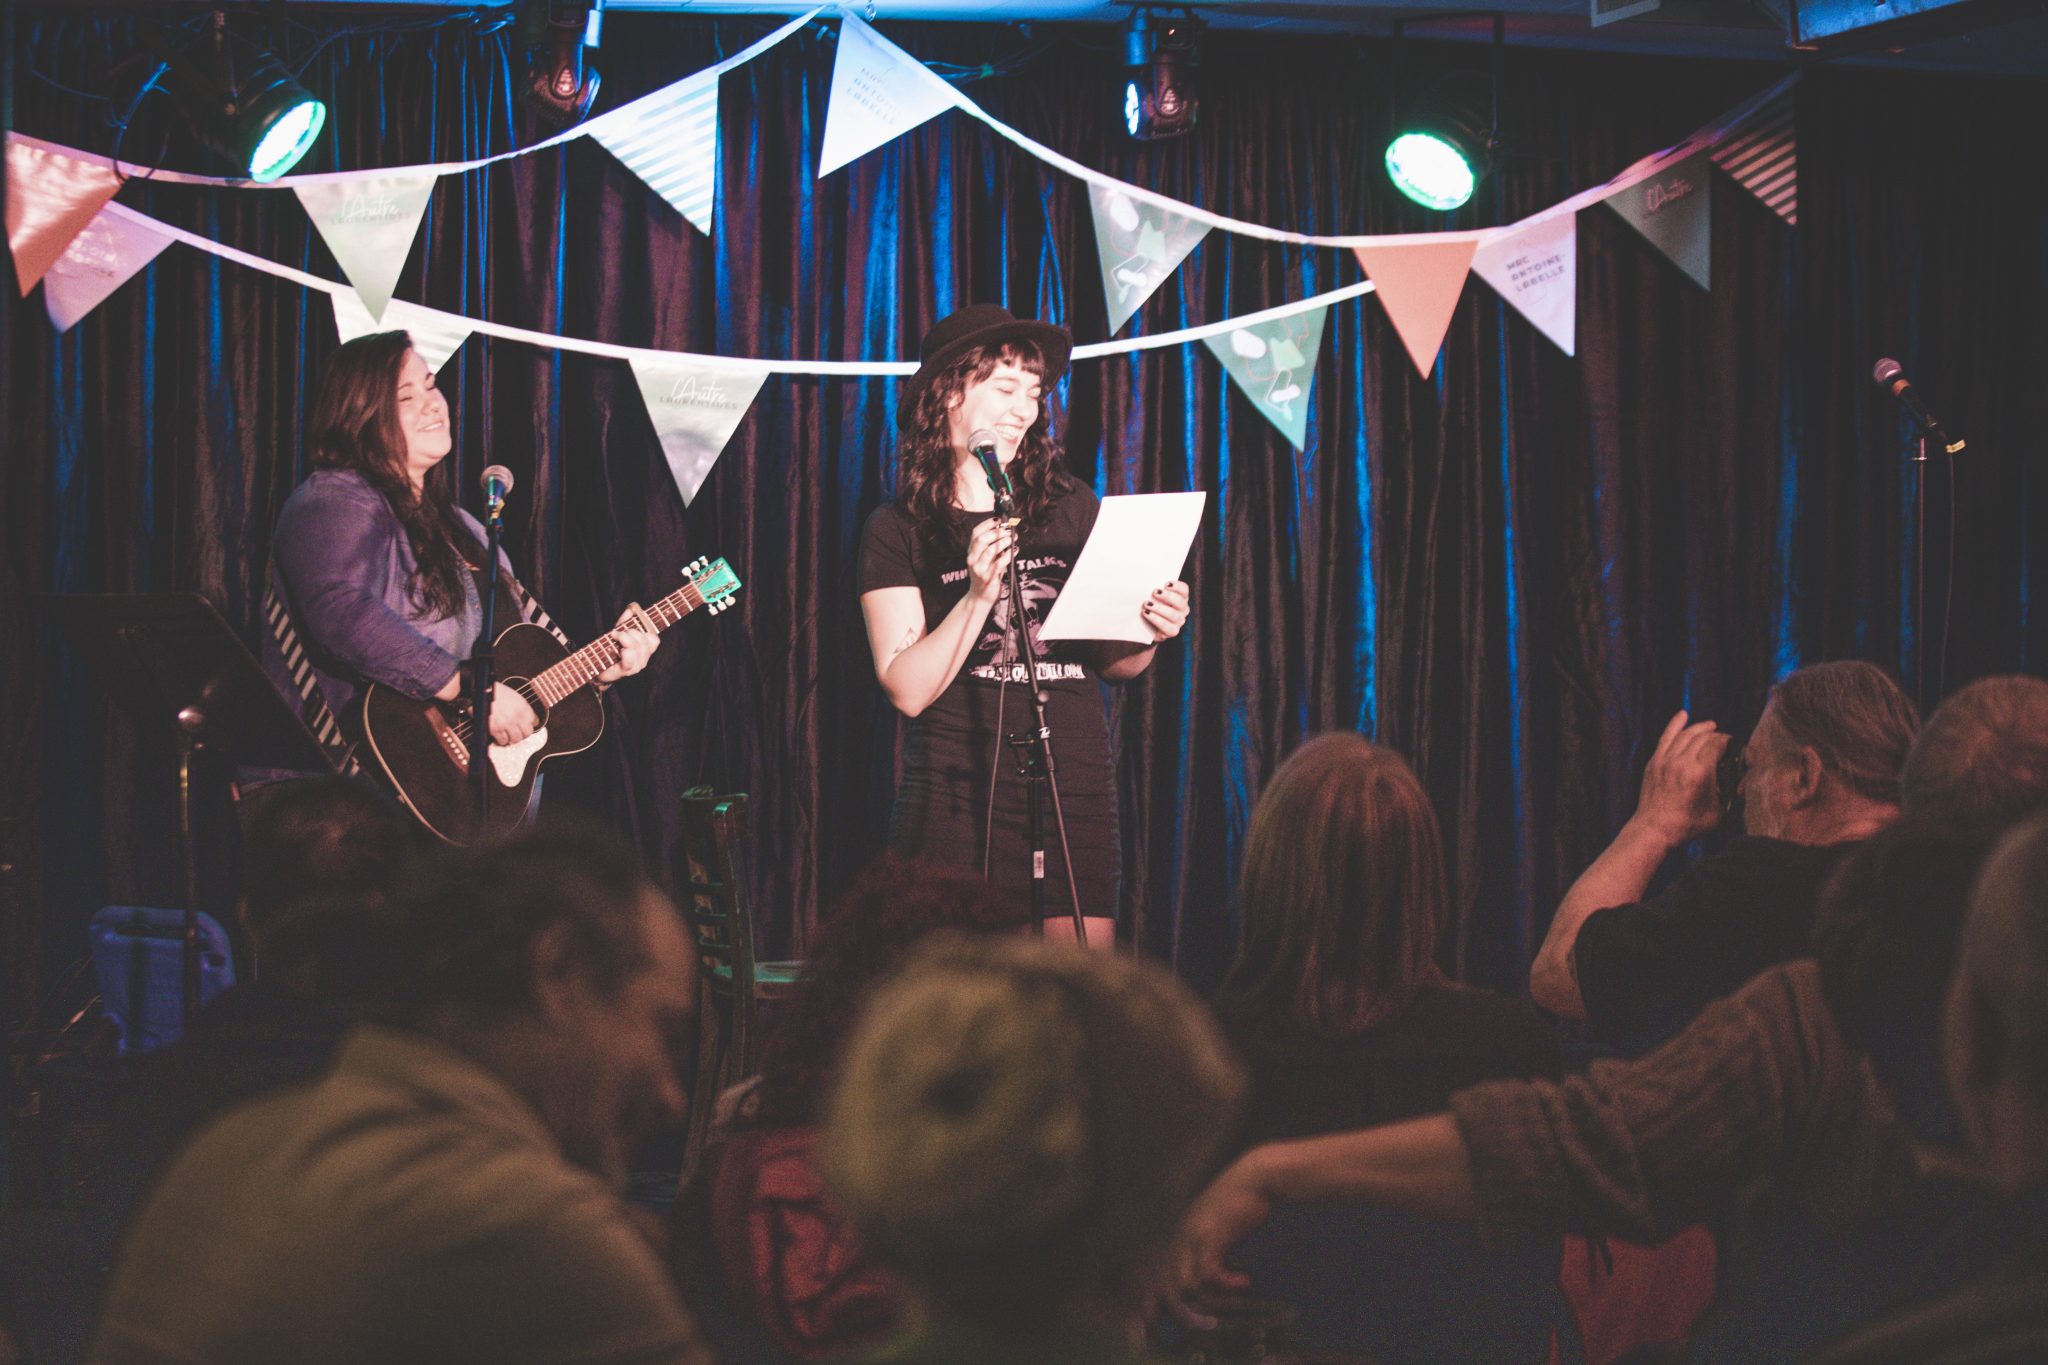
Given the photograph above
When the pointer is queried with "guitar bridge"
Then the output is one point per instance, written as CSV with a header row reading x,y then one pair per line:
x,y
451,743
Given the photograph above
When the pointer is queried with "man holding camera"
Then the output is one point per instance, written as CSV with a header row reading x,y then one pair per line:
x,y
1820,774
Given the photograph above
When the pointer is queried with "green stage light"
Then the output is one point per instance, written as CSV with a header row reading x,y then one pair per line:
x,y
1431,170
1443,141
244,104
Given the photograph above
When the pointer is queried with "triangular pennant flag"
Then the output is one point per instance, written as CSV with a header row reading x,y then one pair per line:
x,y
695,408
1274,362
1536,268
1419,280
1671,210
1140,243
670,140
435,335
368,222
879,92
1763,157
99,260
50,199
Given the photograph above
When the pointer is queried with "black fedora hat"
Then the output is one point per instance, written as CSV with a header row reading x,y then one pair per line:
x,y
980,324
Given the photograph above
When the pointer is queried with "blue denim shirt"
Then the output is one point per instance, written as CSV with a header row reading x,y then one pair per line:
x,y
343,567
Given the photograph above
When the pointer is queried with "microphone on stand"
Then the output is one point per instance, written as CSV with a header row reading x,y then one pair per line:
x,y
497,482
982,445
1890,376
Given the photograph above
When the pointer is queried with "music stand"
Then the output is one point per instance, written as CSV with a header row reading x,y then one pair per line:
x,y
171,660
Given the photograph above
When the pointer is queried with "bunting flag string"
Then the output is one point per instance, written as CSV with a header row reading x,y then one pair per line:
x,y
609,123
1274,364
435,335
1536,270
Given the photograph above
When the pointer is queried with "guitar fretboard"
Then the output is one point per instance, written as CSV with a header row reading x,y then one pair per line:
x,y
581,668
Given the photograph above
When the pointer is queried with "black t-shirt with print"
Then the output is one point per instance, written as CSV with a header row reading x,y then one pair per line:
x,y
893,555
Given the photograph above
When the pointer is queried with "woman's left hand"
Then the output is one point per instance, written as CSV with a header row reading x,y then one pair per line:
x,y
636,647
1166,611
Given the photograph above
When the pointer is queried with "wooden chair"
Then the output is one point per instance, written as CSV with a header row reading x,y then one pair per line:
x,y
732,981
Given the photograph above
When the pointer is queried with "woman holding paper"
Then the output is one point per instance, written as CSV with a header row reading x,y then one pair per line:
x,y
933,568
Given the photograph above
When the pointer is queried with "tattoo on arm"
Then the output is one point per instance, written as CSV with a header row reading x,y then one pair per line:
x,y
910,637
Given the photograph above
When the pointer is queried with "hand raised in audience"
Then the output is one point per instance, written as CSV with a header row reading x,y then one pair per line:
x,y
1678,798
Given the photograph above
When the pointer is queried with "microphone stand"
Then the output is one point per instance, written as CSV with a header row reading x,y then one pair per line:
x,y
480,658
1033,749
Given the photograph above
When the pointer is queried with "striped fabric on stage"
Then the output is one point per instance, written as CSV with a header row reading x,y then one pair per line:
x,y
1763,156
672,144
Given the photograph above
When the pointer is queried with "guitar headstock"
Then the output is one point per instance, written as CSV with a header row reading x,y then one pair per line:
x,y
714,581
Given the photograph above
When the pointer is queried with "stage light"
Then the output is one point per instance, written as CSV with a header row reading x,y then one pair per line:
x,y
1161,54
246,107
561,84
1442,143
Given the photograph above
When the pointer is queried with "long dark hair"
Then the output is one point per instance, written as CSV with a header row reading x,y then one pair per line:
x,y
1342,893
926,459
354,425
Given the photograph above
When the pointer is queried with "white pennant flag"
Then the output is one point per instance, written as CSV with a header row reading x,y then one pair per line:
x,y
99,260
368,222
1536,268
435,335
879,92
695,409
670,140
1140,244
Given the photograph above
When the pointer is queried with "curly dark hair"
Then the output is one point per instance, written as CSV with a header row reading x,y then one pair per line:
x,y
926,458
893,905
354,425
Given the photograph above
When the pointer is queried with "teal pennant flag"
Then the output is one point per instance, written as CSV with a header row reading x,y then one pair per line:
x,y
1275,364
1140,244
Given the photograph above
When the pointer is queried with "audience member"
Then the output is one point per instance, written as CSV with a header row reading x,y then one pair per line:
x,y
1996,1059
447,1191
1821,773
1335,1000
320,861
1015,1129
764,1256
1762,1087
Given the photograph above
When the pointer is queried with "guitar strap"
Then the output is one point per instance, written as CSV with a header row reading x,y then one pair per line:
x,y
337,747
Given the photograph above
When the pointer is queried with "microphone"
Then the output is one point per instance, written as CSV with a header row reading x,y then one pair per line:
x,y
497,482
982,444
1890,376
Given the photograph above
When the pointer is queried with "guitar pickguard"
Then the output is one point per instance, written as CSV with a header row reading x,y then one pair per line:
x,y
509,760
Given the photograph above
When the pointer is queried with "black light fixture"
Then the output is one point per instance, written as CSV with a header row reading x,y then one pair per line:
x,y
245,105
1158,97
1444,138
561,84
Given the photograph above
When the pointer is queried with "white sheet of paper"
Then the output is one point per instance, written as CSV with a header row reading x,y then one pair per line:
x,y
1140,541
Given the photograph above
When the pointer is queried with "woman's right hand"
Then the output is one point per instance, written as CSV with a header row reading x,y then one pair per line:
x,y
511,718
989,552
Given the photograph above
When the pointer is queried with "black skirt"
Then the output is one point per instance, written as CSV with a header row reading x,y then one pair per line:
x,y
942,812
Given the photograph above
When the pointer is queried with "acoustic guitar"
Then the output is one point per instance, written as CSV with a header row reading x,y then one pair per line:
x,y
422,747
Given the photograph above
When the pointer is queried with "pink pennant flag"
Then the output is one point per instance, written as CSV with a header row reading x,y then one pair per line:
x,y
1419,279
99,260
50,199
